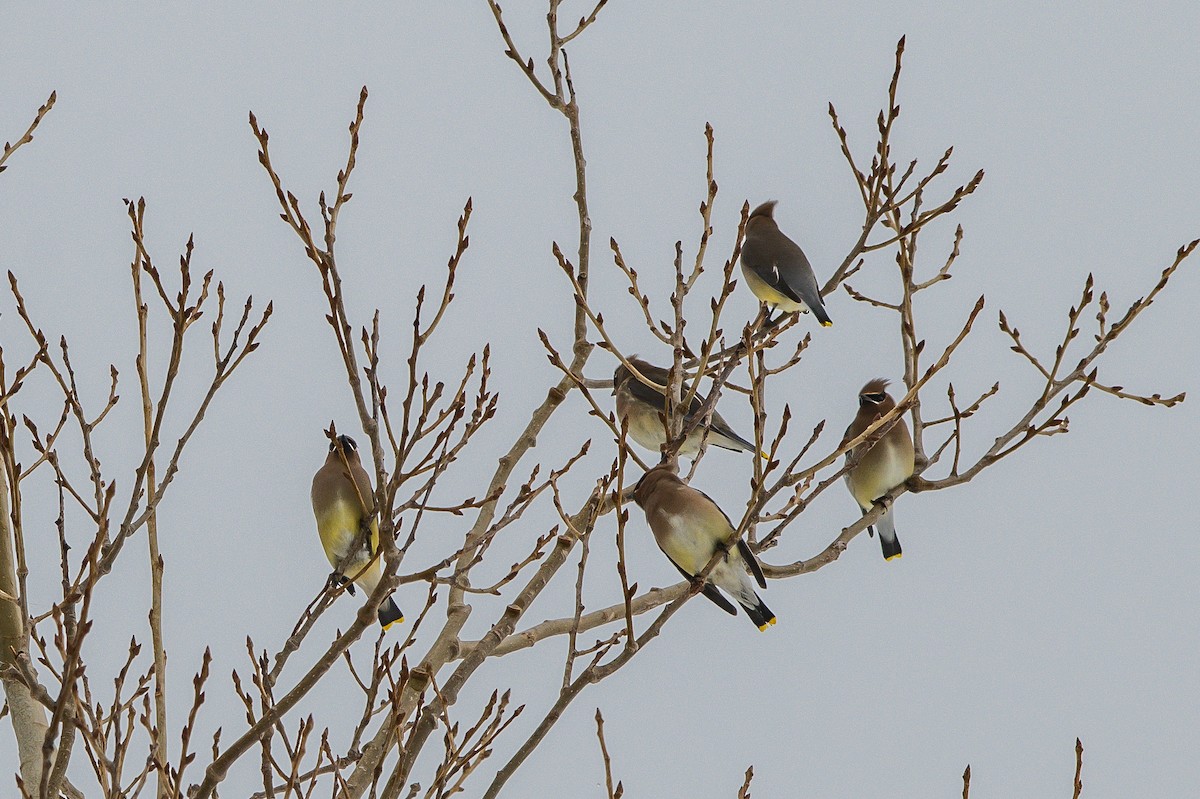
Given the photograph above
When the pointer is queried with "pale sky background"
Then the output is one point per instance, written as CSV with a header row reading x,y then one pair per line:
x,y
1054,597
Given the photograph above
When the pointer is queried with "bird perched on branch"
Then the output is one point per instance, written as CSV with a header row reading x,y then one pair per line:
x,y
341,497
883,465
776,269
644,407
690,528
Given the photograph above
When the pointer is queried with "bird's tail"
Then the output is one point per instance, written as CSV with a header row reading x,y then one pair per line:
x,y
818,310
887,536
727,439
759,613
390,613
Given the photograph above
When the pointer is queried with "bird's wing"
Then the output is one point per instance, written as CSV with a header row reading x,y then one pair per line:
x,y
715,505
781,284
743,549
796,272
752,562
655,398
361,485
643,393
373,538
721,430
850,433
768,271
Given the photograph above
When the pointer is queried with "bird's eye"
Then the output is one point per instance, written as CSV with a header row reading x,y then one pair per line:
x,y
874,398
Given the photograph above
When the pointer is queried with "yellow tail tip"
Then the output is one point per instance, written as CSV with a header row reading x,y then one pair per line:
x,y
392,624
827,324
897,556
762,628
764,456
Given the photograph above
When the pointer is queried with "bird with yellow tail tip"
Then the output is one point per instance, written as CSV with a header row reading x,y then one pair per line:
x,y
881,467
643,408
341,495
690,528
776,269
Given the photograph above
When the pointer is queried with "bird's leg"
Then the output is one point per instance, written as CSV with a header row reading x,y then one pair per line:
x,y
696,585
337,580
886,502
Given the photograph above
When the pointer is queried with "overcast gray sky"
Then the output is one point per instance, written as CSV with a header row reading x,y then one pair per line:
x,y
1054,597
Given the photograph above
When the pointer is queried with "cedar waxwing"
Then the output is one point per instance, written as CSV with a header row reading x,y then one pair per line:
x,y
690,529
776,269
341,494
886,465
644,406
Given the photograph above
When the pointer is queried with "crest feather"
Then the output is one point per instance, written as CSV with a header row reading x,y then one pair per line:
x,y
767,209
876,386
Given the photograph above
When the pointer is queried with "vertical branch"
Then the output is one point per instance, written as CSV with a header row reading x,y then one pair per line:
x,y
158,731
28,716
584,251
75,625
627,590
744,791
572,637
1078,769
674,393
619,790
30,727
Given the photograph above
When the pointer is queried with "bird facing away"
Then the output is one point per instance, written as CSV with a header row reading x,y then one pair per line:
x,y
884,466
643,407
776,269
690,529
341,494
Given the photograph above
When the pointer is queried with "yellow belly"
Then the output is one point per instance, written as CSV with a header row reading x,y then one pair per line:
x,y
883,468
338,528
769,295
